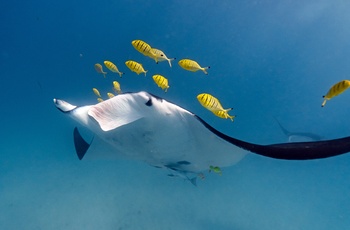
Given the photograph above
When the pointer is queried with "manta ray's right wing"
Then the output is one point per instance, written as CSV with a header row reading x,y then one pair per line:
x,y
291,151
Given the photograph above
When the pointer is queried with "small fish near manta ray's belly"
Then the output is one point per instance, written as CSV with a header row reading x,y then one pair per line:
x,y
148,128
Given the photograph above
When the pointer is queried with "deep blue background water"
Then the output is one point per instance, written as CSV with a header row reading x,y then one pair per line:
x,y
268,59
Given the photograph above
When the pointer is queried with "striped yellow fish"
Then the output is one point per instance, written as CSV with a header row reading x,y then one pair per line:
x,y
99,69
335,90
110,95
211,103
135,67
143,48
99,99
112,67
192,66
96,92
160,56
116,87
161,81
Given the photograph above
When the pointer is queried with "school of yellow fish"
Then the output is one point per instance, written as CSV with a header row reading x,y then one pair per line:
x,y
208,101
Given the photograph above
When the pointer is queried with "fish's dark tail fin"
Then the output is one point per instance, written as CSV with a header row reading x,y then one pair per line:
x,y
205,69
81,146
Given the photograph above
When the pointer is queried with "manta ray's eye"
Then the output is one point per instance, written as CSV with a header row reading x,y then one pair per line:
x,y
149,102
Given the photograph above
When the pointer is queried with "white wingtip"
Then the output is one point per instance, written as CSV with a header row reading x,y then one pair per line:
x,y
63,105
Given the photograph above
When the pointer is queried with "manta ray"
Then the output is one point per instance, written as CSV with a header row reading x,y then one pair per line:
x,y
148,128
292,136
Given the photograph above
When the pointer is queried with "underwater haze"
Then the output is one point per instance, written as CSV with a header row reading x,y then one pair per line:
x,y
271,61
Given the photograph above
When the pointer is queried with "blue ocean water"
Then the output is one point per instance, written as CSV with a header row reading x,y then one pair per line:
x,y
268,59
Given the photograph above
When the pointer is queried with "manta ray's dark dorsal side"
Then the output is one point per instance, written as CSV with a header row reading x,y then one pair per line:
x,y
290,151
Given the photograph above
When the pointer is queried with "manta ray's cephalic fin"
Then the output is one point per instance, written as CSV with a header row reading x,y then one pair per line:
x,y
81,146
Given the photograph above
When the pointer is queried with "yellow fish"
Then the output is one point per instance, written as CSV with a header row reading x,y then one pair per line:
x,y
335,90
116,87
211,103
113,68
135,67
192,66
99,69
160,56
143,48
161,81
110,95
99,99
215,169
96,92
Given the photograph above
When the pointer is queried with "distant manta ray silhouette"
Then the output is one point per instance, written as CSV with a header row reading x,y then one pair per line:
x,y
290,134
144,127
